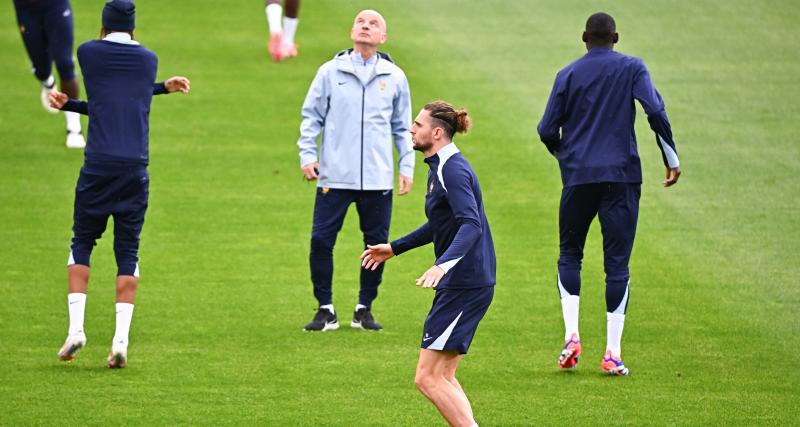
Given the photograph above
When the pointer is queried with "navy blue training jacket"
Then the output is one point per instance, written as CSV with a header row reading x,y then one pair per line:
x,y
592,105
457,225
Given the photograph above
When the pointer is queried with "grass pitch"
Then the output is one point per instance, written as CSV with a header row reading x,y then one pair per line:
x,y
712,328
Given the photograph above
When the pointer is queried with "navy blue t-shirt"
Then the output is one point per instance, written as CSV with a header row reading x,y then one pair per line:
x,y
592,105
119,80
457,225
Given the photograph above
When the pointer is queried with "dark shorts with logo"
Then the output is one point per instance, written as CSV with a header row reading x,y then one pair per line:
x,y
454,318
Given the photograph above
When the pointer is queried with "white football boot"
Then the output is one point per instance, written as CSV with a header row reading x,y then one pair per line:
x,y
71,346
118,357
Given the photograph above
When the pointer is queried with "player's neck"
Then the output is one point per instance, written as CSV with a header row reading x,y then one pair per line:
x,y
436,147
590,46
366,51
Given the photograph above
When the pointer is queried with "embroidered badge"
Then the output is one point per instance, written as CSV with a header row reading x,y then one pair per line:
x,y
382,85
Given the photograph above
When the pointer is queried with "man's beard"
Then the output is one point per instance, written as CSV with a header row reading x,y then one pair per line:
x,y
419,146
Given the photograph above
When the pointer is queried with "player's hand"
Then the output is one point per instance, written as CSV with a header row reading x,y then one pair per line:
x,y
374,255
57,99
431,278
311,171
672,177
405,185
177,84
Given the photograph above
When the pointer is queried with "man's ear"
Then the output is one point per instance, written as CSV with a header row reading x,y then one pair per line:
x,y
615,38
584,38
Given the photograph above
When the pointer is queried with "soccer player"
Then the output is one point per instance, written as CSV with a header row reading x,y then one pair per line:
x,y
281,37
464,271
119,75
46,29
588,127
357,101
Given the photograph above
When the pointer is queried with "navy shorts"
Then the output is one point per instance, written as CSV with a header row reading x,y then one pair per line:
x,y
454,318
47,31
119,191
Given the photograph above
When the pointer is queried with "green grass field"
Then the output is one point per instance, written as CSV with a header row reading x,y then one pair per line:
x,y
713,324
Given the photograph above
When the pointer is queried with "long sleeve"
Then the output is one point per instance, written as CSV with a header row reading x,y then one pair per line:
x,y
160,88
460,196
419,237
76,106
315,110
647,95
401,125
550,126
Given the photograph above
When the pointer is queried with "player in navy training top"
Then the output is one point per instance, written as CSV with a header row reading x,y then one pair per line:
x,y
46,27
119,75
464,271
588,126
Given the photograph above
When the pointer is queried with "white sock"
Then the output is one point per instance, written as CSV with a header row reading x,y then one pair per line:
x,y
274,12
124,316
616,322
50,82
328,307
289,28
73,121
76,304
569,308
360,306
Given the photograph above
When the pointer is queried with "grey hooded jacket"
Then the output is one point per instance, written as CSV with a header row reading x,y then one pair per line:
x,y
357,122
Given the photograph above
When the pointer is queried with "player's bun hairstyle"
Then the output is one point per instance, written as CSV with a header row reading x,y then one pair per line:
x,y
451,121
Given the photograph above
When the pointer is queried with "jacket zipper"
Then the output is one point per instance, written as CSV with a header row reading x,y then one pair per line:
x,y
363,94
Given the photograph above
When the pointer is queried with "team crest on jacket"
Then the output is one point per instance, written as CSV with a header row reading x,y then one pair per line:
x,y
382,85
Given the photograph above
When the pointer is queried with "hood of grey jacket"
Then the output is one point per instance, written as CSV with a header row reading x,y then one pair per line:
x,y
358,124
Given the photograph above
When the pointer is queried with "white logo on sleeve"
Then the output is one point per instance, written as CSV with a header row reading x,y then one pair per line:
x,y
66,13
426,337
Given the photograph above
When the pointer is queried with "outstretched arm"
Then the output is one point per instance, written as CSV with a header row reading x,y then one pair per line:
x,y
172,84
374,255
62,102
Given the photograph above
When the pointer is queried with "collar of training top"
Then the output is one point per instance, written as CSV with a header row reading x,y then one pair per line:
x,y
122,38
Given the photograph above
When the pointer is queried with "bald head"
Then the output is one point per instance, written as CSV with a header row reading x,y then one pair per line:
x,y
370,13
369,29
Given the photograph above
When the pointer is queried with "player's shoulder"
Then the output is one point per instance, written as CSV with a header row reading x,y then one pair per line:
x,y
629,60
456,167
89,46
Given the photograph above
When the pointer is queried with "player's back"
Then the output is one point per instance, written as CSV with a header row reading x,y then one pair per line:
x,y
598,139
119,81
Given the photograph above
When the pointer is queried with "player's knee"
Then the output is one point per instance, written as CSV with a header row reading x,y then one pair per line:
x,y
321,244
424,382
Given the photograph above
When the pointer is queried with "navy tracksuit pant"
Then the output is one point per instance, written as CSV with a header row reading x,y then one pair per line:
x,y
47,31
330,207
617,206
